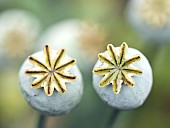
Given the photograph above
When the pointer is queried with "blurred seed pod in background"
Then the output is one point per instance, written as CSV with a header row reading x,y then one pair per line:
x,y
81,39
151,18
19,30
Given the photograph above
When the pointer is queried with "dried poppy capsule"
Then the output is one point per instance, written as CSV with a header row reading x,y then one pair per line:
x,y
51,82
151,18
78,37
18,30
122,77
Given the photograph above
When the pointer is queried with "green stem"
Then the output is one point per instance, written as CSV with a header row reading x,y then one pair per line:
x,y
110,117
41,121
113,118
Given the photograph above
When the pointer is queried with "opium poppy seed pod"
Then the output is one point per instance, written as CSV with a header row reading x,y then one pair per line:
x,y
78,37
51,82
18,30
122,77
151,18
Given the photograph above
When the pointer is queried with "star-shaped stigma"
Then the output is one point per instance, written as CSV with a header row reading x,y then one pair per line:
x,y
116,68
51,74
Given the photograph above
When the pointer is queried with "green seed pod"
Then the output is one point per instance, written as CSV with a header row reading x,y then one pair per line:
x,y
18,30
51,82
78,37
151,18
127,79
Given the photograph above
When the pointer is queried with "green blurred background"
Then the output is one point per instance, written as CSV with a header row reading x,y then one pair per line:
x,y
90,113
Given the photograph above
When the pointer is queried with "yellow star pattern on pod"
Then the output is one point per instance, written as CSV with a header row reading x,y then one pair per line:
x,y
116,69
51,74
